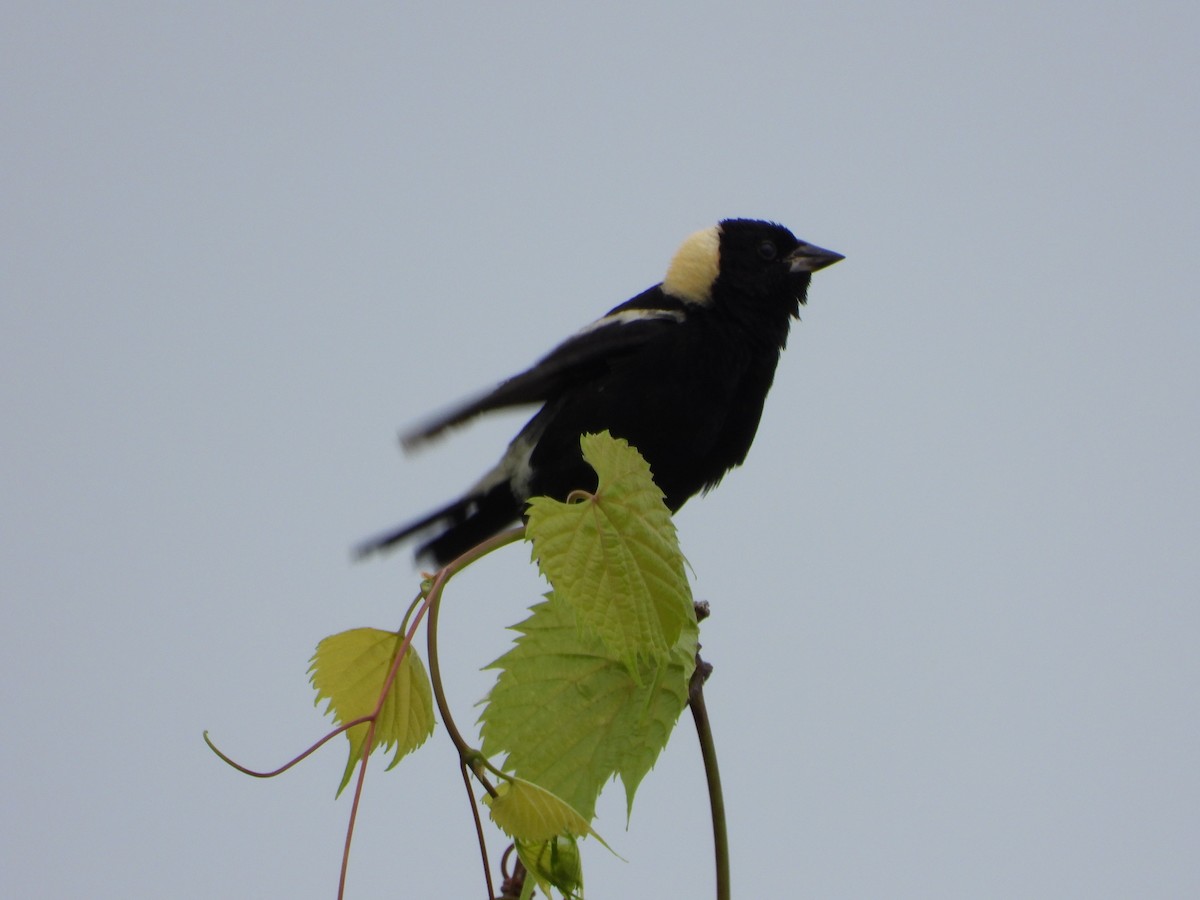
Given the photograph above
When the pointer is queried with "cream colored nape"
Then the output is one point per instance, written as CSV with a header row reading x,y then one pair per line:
x,y
695,266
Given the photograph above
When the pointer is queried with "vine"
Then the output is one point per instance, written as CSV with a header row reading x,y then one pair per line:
x,y
590,690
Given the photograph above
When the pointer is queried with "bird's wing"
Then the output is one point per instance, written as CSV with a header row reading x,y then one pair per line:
x,y
582,356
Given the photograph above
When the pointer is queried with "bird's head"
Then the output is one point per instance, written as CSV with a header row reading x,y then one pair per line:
x,y
745,260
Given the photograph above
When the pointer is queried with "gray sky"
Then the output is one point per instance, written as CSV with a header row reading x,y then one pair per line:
x,y
954,588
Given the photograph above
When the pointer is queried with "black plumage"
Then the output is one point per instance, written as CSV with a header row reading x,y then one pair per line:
x,y
681,371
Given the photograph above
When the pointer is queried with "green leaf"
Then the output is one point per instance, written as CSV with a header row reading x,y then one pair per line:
x,y
350,670
569,716
599,674
527,812
555,863
614,555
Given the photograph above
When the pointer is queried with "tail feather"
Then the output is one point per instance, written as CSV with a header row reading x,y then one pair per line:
x,y
456,511
469,520
485,521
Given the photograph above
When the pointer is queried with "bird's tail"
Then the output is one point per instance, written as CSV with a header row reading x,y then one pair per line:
x,y
468,521
456,511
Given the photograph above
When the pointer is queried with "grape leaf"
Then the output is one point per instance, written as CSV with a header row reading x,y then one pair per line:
x,y
530,813
350,669
555,863
569,716
614,555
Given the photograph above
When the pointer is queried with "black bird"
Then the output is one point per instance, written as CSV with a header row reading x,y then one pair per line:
x,y
681,371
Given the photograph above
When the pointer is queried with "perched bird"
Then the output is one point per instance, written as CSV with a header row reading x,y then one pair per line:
x,y
681,371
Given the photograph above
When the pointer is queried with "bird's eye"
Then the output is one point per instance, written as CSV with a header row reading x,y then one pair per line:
x,y
767,250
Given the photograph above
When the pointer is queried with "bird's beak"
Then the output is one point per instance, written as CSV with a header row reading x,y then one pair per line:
x,y
810,258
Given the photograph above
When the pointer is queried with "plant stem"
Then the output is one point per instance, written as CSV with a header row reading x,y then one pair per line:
x,y
468,757
466,753
716,798
487,866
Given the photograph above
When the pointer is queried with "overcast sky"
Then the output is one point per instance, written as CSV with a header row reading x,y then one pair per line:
x,y
954,589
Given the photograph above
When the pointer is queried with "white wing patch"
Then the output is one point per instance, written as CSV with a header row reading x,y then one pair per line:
x,y
513,467
628,316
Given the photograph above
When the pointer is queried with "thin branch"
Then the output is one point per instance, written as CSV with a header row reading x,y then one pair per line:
x,y
425,603
487,866
358,787
345,726
369,742
466,753
468,757
716,798
287,765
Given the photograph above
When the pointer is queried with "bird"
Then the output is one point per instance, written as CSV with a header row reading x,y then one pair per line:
x,y
681,372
